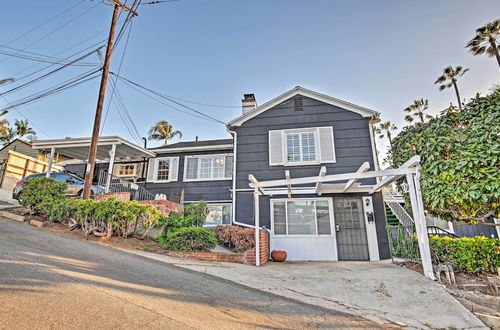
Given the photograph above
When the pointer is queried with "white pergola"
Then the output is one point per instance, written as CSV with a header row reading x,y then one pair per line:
x,y
109,148
347,183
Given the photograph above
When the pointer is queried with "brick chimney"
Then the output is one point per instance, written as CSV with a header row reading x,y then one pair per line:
x,y
248,103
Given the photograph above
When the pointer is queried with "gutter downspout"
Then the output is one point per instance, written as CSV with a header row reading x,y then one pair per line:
x,y
235,143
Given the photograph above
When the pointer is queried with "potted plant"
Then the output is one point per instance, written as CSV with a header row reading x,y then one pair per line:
x,y
278,255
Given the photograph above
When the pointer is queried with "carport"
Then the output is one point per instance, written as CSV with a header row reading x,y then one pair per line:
x,y
109,148
347,183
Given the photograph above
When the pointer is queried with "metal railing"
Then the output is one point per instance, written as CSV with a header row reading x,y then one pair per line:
x,y
117,184
399,211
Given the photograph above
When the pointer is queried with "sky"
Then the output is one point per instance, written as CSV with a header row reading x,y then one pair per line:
x,y
377,54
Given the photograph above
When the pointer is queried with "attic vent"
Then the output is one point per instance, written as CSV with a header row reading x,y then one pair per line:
x,y
297,103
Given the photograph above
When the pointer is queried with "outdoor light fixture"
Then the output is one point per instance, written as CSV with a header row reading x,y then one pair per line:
x,y
405,187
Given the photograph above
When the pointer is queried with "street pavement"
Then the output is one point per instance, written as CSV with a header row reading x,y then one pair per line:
x,y
57,282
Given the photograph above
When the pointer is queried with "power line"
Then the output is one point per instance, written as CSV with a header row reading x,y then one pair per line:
x,y
45,22
41,58
49,73
168,98
25,117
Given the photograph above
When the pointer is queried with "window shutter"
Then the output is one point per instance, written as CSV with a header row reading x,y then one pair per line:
x,y
275,148
326,144
174,169
151,170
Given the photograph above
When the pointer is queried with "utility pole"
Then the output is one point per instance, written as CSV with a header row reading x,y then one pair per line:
x,y
100,101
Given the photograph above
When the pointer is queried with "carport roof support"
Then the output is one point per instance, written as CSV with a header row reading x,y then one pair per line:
x,y
78,148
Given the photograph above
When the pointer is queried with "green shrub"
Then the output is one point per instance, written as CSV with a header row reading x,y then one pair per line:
x,y
61,209
196,213
39,193
193,215
235,237
190,239
469,254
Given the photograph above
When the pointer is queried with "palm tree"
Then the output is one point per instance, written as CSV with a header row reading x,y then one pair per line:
x,y
485,40
451,74
3,123
7,136
23,129
417,110
385,130
4,81
162,130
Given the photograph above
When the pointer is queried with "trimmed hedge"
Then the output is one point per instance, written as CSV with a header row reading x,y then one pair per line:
x,y
190,239
235,237
468,254
40,193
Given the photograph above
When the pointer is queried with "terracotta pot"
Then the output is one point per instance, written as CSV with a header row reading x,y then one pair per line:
x,y
278,256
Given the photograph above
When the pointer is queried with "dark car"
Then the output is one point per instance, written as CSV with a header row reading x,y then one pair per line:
x,y
75,184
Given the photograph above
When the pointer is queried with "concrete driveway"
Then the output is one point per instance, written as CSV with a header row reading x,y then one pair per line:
x,y
379,291
50,281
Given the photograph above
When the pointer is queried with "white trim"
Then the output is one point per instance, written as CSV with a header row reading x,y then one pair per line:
x,y
371,229
203,148
330,211
155,169
206,156
365,112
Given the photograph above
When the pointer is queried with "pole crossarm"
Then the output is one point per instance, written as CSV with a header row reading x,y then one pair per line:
x,y
124,7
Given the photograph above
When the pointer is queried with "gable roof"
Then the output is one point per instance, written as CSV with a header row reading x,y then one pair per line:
x,y
219,144
365,112
16,140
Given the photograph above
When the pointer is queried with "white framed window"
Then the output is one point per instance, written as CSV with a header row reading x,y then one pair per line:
x,y
302,146
208,167
126,170
218,214
163,169
301,217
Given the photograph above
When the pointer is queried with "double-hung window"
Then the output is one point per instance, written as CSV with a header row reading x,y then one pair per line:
x,y
163,169
208,167
303,146
301,217
126,170
218,214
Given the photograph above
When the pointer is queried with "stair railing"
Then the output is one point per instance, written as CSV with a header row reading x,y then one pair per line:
x,y
404,218
117,184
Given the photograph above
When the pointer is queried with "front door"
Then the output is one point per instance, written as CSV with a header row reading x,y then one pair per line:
x,y
352,243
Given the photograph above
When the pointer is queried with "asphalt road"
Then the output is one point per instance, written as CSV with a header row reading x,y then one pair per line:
x,y
57,282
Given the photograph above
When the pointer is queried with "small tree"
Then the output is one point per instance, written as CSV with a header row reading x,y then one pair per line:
x,y
417,110
449,79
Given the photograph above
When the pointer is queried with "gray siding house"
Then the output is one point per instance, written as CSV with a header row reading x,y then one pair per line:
x,y
300,133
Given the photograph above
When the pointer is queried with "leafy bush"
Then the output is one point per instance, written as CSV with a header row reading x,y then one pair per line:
x,y
193,215
190,239
234,237
458,147
61,209
469,254
38,193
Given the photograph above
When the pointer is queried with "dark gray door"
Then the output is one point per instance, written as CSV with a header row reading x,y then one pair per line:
x,y
352,243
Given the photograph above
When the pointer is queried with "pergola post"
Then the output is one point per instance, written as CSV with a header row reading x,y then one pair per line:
x,y
51,160
257,226
417,206
112,153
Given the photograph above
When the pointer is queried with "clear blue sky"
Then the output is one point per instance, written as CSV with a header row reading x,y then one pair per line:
x,y
378,54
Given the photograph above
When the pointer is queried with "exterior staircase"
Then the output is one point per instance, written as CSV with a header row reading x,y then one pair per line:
x,y
392,220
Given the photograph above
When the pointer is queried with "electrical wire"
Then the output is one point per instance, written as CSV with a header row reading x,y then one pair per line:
x,y
45,22
49,73
42,58
169,99
25,117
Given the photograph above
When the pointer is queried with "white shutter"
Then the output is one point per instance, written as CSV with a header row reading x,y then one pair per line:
x,y
326,144
173,169
151,170
275,148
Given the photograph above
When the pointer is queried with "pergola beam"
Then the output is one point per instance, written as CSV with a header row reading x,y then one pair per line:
x,y
362,169
411,163
322,173
289,187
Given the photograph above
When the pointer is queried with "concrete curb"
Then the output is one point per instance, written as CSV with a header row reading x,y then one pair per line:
x,y
12,216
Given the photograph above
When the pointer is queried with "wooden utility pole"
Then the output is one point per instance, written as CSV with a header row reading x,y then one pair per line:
x,y
100,101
